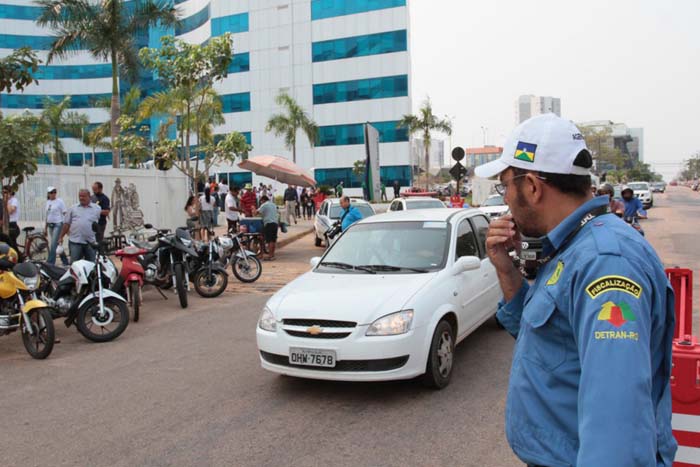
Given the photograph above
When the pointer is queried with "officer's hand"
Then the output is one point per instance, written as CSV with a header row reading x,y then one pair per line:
x,y
501,238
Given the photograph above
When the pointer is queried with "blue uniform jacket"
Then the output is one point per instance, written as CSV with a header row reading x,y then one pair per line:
x,y
350,216
632,207
590,380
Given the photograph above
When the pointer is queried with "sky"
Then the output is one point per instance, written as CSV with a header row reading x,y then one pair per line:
x,y
630,61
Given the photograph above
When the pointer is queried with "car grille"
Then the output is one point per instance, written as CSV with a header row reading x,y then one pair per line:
x,y
324,335
384,364
327,323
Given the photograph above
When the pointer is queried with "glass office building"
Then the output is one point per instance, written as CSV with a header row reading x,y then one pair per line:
x,y
346,62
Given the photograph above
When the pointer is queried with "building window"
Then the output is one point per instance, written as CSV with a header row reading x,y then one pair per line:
x,y
235,102
19,12
333,176
360,46
193,22
321,9
361,89
102,70
12,41
354,133
24,101
238,179
231,23
240,63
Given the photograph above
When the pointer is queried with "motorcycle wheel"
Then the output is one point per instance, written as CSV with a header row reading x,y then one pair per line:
x,y
40,344
88,320
210,287
180,285
135,296
246,272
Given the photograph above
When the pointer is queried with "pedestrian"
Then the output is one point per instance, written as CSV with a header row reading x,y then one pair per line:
x,y
192,210
384,197
339,189
365,191
299,207
206,213
397,188
233,210
268,212
290,202
248,201
590,383
55,212
302,200
8,196
78,224
100,199
309,205
350,214
224,190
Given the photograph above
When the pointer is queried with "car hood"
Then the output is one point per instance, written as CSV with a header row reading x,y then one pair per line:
x,y
361,298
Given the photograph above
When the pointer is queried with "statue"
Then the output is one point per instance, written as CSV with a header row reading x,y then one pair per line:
x,y
134,215
127,214
118,195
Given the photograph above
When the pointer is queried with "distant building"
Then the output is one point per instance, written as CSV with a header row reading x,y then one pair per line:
x,y
636,147
528,106
630,141
477,156
437,154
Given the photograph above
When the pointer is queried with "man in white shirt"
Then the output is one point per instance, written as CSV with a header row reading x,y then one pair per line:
x,y
233,209
223,193
55,212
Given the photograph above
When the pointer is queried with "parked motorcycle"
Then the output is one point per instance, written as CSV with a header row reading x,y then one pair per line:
x,y
130,280
208,272
244,263
20,308
81,294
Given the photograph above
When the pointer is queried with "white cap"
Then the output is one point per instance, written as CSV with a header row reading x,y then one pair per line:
x,y
545,143
50,189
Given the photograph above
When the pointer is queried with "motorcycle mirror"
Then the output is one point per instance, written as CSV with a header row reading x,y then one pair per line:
x,y
148,226
6,264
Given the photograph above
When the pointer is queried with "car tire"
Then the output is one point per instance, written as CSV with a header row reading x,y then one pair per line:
x,y
438,370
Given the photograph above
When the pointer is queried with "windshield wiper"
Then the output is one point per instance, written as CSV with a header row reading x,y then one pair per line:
x,y
386,267
333,264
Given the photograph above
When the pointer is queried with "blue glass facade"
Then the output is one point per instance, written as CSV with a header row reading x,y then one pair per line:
x,y
193,22
235,102
19,12
238,179
12,41
24,101
361,89
240,63
387,174
321,9
231,23
102,70
360,46
340,135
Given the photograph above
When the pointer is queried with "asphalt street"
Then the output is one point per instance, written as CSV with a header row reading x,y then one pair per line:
x,y
184,388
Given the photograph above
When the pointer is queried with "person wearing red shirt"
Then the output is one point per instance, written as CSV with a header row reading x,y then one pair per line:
x,y
248,201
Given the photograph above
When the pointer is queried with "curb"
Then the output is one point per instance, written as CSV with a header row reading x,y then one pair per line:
x,y
292,238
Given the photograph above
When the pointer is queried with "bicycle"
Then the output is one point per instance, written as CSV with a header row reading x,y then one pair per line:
x,y
35,246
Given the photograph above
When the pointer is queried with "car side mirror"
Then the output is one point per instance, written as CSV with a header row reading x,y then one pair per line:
x,y
466,263
314,261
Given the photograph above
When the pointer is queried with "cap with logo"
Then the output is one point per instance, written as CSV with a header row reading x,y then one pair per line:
x,y
50,189
545,143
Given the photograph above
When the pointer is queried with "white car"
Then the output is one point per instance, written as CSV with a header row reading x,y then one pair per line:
x,y
494,206
330,211
389,300
642,190
420,202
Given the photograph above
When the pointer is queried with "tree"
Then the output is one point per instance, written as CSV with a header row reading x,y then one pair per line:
x,y
226,150
17,70
601,144
691,167
425,123
188,72
19,152
287,124
359,167
108,29
131,141
59,120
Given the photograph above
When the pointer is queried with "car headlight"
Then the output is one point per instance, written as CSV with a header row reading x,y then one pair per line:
x,y
32,282
267,321
391,325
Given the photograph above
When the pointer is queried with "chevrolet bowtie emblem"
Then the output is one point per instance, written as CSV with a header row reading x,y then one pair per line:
x,y
315,330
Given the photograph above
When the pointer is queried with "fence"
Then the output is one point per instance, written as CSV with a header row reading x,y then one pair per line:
x,y
162,195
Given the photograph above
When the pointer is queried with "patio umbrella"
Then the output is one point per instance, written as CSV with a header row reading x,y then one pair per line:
x,y
278,168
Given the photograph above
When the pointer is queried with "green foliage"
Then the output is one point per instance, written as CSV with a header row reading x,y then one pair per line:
x,y
57,118
326,189
359,167
17,70
279,200
164,154
287,124
601,144
226,150
691,168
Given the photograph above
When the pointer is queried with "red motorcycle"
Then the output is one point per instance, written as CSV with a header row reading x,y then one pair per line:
x,y
130,280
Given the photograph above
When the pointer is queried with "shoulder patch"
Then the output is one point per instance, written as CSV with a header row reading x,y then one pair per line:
x,y
610,283
554,278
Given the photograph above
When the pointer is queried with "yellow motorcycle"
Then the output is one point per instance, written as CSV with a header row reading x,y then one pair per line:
x,y
20,309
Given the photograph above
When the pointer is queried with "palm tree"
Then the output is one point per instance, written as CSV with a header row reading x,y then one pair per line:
x,y
289,123
426,122
58,120
108,30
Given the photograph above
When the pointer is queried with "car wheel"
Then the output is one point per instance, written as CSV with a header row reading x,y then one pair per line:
x,y
438,370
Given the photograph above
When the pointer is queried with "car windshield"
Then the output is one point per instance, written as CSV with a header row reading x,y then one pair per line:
x,y
424,204
389,248
495,201
365,209
639,186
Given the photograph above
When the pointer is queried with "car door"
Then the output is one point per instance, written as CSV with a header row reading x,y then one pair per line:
x,y
489,279
392,206
320,218
468,294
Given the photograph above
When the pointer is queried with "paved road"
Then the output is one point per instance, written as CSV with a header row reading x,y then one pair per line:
x,y
184,387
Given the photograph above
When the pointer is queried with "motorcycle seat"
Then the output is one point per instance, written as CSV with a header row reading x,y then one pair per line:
x,y
25,269
28,229
53,271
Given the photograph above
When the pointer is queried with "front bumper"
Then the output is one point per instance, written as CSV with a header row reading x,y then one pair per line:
x,y
358,357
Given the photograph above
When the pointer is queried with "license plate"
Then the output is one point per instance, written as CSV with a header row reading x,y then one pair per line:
x,y
529,255
312,357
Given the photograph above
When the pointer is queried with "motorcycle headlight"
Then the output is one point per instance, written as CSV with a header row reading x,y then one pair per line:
x,y
267,321
391,325
32,282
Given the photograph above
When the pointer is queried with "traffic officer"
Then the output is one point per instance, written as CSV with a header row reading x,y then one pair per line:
x,y
589,384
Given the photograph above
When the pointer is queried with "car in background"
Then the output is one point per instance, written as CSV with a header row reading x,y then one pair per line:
x,y
423,202
494,206
389,300
643,192
658,187
330,211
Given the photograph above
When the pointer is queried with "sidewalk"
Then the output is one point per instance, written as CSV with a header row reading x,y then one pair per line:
x,y
294,231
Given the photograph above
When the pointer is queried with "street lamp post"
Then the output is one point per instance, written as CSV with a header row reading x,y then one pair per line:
x,y
485,132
